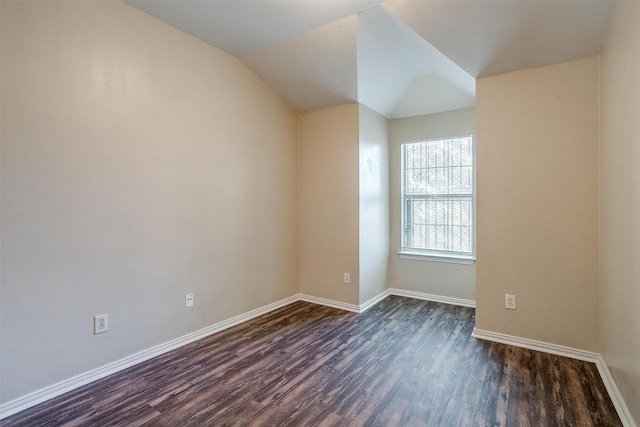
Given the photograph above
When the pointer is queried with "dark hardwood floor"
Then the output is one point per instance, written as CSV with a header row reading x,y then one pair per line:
x,y
405,362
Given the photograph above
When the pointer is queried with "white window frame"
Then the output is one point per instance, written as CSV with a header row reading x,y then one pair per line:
x,y
433,255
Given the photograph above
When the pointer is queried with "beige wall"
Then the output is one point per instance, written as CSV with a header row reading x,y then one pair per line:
x,y
374,203
138,164
537,203
620,201
328,202
435,278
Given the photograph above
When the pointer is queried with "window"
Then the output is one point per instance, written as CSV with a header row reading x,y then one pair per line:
x,y
437,198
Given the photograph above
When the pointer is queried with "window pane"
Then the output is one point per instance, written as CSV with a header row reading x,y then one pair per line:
x,y
438,195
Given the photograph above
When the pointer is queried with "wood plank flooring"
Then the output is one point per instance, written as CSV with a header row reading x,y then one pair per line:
x,y
405,362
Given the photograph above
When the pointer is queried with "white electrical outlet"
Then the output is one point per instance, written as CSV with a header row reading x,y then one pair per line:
x,y
100,324
347,278
189,299
509,301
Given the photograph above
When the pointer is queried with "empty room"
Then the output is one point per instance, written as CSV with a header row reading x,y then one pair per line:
x,y
319,213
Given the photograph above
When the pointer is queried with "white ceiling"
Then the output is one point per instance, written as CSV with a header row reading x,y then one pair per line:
x,y
399,57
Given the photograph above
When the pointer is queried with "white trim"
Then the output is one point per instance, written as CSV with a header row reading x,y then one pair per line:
x,y
560,350
343,305
614,393
437,258
46,393
435,298
329,303
373,301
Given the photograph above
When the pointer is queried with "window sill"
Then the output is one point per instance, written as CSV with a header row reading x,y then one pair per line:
x,y
453,259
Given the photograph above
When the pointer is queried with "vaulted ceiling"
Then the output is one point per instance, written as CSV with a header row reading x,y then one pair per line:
x,y
399,57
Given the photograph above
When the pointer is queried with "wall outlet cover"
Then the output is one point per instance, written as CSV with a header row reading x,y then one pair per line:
x,y
509,301
100,324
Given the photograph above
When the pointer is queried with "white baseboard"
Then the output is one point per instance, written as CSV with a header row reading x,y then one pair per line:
x,y
435,298
343,305
614,393
373,301
46,393
560,350
382,295
329,303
